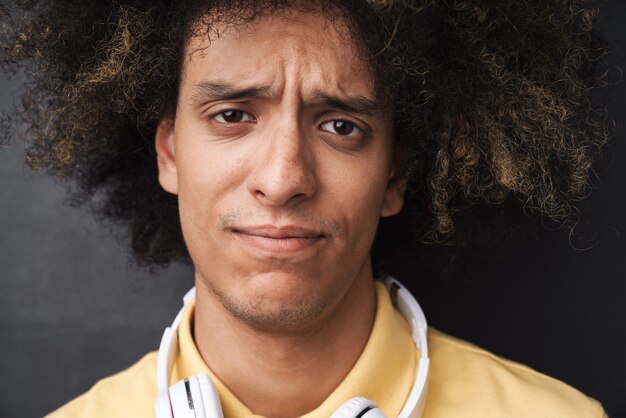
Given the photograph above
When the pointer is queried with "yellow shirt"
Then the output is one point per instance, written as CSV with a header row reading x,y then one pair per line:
x,y
464,381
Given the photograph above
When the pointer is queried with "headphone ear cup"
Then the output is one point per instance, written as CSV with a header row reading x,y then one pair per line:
x,y
179,400
195,397
210,398
358,408
197,400
373,413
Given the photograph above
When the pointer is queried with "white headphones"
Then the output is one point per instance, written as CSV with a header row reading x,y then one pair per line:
x,y
196,396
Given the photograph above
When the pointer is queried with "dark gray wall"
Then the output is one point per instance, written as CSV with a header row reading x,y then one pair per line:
x,y
72,310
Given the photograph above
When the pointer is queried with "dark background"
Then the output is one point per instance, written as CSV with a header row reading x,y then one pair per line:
x,y
73,310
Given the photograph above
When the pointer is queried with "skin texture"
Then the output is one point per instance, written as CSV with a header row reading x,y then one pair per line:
x,y
280,191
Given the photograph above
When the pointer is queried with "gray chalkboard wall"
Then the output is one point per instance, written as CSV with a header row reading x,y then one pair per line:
x,y
72,309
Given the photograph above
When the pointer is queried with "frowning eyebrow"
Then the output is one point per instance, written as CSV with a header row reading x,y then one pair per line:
x,y
358,104
208,91
224,91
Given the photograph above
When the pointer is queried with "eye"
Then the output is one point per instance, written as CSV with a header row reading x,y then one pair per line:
x,y
341,127
233,116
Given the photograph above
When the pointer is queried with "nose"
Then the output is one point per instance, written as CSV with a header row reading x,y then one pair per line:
x,y
284,172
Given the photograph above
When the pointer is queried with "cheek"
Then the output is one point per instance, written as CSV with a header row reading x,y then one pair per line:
x,y
208,175
358,188
205,165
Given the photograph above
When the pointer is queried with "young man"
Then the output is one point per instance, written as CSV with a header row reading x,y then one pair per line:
x,y
283,132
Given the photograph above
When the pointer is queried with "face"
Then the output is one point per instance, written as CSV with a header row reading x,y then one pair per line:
x,y
282,160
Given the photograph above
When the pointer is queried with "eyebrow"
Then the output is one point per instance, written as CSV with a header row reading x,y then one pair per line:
x,y
225,91
358,104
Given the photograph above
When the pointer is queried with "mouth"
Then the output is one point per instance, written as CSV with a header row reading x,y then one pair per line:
x,y
279,240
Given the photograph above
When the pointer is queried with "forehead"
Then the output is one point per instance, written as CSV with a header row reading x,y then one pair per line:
x,y
296,49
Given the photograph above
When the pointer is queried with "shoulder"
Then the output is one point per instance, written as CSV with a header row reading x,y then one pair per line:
x,y
130,392
467,381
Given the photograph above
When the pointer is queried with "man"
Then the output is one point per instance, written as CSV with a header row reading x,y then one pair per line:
x,y
283,132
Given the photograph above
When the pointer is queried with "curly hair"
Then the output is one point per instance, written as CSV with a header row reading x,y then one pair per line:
x,y
491,100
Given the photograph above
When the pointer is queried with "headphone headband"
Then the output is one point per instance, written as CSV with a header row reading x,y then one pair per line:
x,y
404,301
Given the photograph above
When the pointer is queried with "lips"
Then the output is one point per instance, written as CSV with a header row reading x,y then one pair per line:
x,y
279,240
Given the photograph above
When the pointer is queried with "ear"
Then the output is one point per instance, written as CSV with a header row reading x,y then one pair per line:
x,y
394,195
164,145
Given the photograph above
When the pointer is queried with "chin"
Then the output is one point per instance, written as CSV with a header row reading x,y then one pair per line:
x,y
276,315
279,302
283,285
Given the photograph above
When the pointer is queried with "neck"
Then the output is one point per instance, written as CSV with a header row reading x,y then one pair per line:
x,y
284,374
